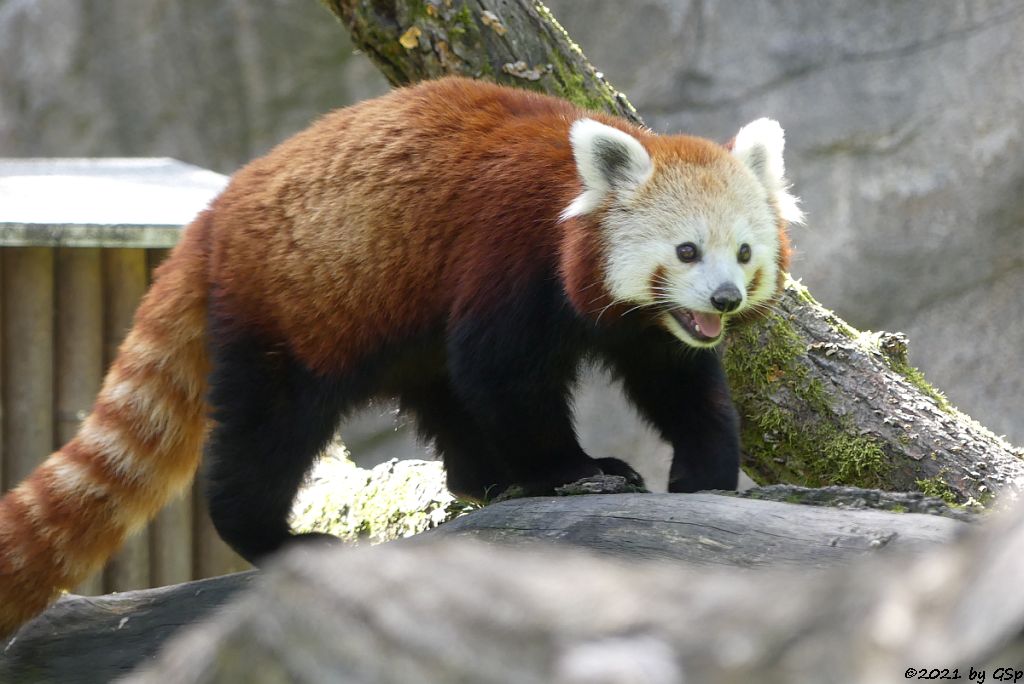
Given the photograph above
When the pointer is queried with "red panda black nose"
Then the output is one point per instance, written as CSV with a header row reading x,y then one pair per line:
x,y
727,298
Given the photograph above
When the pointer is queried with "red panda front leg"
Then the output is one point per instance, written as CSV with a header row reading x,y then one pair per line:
x,y
684,394
513,367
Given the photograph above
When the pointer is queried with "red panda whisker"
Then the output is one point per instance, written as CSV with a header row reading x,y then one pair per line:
x,y
631,310
610,305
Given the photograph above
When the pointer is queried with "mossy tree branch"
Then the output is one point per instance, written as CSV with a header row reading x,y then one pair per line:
x,y
826,404
515,42
822,403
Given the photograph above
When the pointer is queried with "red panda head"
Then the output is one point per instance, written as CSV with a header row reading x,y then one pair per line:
x,y
691,231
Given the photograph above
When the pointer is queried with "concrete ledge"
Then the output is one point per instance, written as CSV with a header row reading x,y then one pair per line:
x,y
101,202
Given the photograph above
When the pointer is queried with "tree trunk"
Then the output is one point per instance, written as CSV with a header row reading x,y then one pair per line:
x,y
117,632
821,402
515,42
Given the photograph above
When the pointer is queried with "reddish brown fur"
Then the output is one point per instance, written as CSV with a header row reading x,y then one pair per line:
x,y
755,282
431,262
364,229
582,270
785,252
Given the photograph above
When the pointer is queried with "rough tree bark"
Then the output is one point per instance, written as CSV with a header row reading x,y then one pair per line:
x,y
117,632
822,403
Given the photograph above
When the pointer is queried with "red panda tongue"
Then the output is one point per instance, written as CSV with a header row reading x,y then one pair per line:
x,y
710,324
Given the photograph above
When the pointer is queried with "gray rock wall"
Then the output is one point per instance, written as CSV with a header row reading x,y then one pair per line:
x,y
904,125
213,83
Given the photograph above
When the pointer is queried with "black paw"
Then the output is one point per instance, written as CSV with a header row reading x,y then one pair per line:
x,y
682,486
548,482
580,478
686,484
613,466
479,495
314,539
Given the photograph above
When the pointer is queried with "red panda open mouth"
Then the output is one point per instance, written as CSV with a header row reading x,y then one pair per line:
x,y
703,327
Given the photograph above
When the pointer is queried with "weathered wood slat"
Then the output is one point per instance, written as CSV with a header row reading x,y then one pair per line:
x,y
79,336
170,552
28,294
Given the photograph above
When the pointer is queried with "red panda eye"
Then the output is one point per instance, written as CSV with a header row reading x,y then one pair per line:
x,y
687,252
744,253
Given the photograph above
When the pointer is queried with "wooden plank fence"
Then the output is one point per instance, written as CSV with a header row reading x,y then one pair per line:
x,y
79,240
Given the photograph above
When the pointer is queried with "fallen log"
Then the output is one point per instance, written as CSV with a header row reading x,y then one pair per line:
x,y
115,633
459,611
700,529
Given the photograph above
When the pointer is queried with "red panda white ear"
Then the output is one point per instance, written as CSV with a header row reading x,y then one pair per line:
x,y
759,146
607,159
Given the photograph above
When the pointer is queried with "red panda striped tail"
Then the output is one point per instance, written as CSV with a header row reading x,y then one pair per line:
x,y
138,448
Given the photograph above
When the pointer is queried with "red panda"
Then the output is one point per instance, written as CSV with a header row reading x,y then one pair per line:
x,y
459,245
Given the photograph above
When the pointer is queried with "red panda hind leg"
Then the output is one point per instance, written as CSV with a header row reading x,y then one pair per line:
x,y
272,417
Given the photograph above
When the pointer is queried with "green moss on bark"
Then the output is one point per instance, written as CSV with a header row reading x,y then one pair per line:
x,y
572,84
818,452
835,322
938,488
